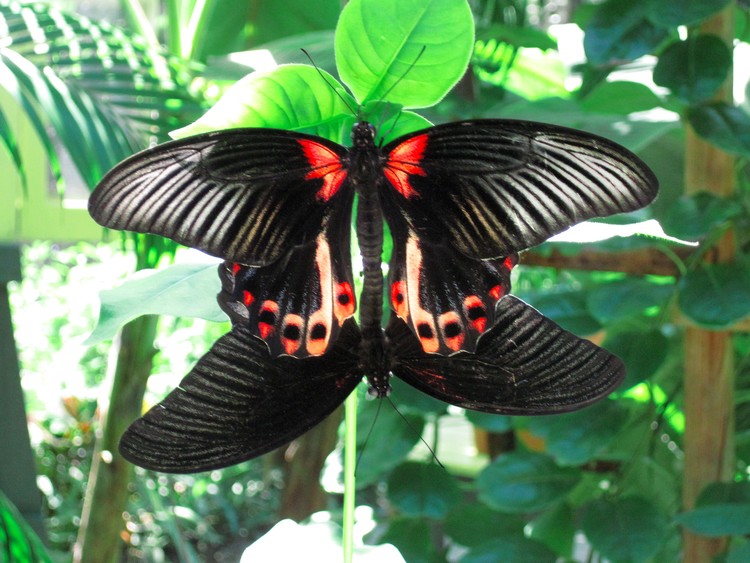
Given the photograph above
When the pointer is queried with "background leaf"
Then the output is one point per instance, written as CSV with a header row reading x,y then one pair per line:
x,y
716,295
520,482
423,489
378,41
171,291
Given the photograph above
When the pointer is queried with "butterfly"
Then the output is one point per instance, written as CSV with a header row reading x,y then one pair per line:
x,y
460,200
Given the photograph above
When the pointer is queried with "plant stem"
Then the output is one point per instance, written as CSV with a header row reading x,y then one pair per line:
x,y
350,462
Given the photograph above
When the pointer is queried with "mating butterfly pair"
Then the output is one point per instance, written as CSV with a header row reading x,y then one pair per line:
x,y
460,201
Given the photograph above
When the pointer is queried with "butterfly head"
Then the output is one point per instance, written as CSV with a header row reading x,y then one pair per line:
x,y
363,135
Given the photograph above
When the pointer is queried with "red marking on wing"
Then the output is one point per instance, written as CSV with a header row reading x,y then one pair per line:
x,y
403,162
247,298
344,305
497,292
235,268
398,299
291,333
510,262
476,313
453,332
427,335
325,164
267,316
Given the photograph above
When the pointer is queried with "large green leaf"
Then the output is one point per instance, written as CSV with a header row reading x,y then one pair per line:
x,y
556,529
619,31
511,549
413,538
693,217
422,489
672,13
625,529
620,98
694,69
721,509
384,439
626,298
520,482
716,295
576,438
18,542
725,126
292,97
643,351
409,53
473,524
186,290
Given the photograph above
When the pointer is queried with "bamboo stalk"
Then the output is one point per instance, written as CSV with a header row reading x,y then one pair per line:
x,y
709,369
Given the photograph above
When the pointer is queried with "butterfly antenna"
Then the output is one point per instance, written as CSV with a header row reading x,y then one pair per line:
x,y
406,420
331,86
367,438
407,71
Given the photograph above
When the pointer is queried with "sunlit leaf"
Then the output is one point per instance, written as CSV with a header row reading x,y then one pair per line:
x,y
410,53
176,290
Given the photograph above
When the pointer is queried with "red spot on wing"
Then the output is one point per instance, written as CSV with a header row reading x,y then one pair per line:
x,y
267,318
476,313
497,292
510,262
325,164
452,329
403,162
398,299
291,333
344,305
235,268
247,298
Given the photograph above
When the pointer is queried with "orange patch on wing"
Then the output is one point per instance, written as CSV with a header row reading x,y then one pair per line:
x,y
399,303
403,162
291,333
452,329
325,164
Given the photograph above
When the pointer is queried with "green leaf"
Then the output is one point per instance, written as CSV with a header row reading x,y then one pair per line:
x,y
18,542
643,353
739,554
299,16
509,550
576,438
619,32
626,298
620,98
694,69
693,217
488,421
725,126
716,295
625,529
291,97
472,524
520,482
569,310
182,290
423,490
390,440
717,520
673,13
519,36
378,45
412,537
556,529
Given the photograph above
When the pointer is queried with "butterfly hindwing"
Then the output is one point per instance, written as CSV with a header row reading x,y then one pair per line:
x,y
297,304
525,364
489,188
238,403
245,195
447,299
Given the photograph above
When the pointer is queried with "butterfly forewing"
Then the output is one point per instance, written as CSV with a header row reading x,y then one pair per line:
x,y
238,403
489,188
525,364
246,195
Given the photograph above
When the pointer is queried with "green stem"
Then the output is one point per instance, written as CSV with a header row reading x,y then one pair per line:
x,y
350,462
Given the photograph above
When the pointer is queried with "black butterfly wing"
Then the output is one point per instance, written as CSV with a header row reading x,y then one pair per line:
x,y
489,188
246,195
298,303
525,364
238,403
447,299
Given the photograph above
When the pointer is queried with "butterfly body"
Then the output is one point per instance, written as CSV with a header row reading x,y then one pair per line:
x,y
460,200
